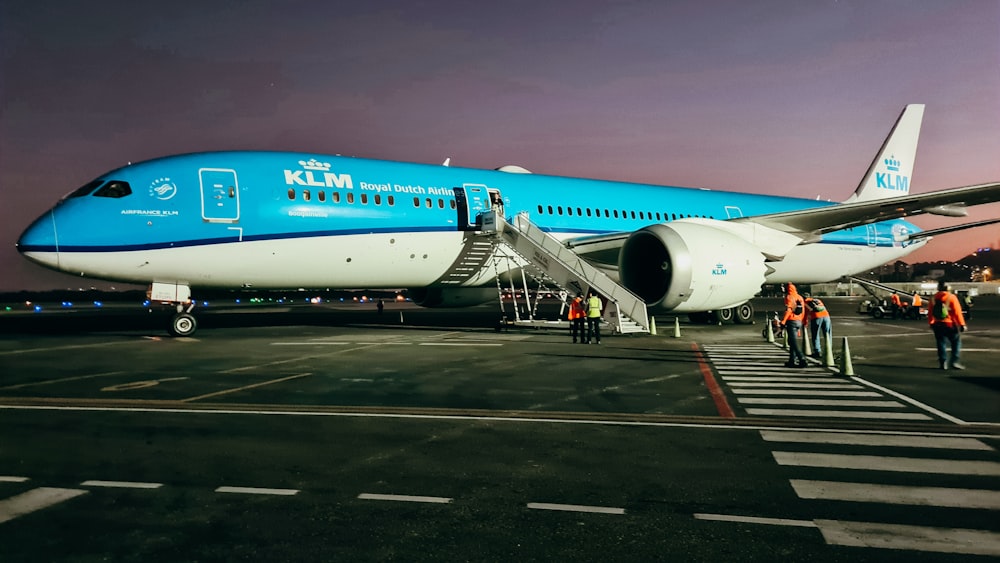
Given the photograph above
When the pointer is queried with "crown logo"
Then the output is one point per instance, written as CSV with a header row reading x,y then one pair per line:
x,y
892,164
314,164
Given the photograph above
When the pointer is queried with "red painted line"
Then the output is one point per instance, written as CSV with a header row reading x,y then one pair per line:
x,y
721,404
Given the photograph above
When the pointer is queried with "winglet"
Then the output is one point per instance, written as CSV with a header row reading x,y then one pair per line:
x,y
889,174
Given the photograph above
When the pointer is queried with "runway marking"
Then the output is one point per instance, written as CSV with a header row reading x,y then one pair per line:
x,y
888,463
244,387
140,384
602,390
460,344
964,349
317,343
404,498
299,359
35,499
755,520
575,508
57,348
884,536
718,397
811,393
882,440
121,484
819,402
845,385
256,491
920,538
61,380
914,402
840,414
786,379
12,479
945,497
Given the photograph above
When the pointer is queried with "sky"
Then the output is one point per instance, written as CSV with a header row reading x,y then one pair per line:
x,y
776,97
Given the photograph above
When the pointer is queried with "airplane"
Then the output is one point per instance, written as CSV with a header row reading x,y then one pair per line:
x,y
283,220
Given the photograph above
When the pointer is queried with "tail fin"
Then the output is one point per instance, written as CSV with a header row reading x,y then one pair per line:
x,y
889,174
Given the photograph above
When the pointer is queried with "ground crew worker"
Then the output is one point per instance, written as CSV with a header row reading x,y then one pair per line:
x,y
576,316
947,322
915,305
795,312
593,318
818,319
897,305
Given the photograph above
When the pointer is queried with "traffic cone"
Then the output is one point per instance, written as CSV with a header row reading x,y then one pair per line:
x,y
846,368
677,327
652,325
770,333
807,340
784,340
828,350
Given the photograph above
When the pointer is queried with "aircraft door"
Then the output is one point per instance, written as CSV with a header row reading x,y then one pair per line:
x,y
470,201
220,195
872,236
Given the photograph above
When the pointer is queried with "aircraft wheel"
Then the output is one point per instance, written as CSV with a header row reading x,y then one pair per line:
x,y
723,316
744,314
182,324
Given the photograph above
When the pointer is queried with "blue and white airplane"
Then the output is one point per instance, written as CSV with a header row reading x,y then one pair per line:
x,y
279,220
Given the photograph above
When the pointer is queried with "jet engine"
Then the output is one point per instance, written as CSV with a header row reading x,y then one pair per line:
x,y
691,267
437,297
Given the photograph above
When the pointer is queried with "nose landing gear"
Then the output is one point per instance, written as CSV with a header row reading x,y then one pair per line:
x,y
179,295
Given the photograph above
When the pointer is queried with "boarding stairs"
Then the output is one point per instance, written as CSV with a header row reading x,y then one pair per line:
x,y
547,260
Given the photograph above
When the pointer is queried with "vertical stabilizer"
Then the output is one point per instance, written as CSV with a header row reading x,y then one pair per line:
x,y
889,174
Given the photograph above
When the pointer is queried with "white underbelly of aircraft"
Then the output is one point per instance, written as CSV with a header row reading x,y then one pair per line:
x,y
355,261
820,263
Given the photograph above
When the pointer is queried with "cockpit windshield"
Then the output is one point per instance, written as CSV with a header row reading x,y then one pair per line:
x,y
85,190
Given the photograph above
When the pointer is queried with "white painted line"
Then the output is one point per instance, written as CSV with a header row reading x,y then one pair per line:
x,y
881,440
61,380
460,344
840,414
897,494
310,343
256,491
780,379
35,499
964,349
743,384
918,538
807,392
888,463
121,484
575,508
756,520
913,402
404,498
820,402
12,479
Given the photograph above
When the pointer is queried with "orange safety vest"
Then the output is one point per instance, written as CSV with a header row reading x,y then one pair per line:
x,y
575,309
955,316
790,301
815,308
916,300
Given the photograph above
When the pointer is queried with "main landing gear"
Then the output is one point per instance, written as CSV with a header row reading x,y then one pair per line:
x,y
183,322
741,314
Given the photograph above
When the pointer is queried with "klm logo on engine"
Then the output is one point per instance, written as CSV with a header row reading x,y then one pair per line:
x,y
317,174
719,269
888,180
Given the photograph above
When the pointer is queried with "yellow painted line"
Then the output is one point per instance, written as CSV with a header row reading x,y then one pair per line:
x,y
244,388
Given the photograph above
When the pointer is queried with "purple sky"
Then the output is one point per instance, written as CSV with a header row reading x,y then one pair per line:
x,y
780,97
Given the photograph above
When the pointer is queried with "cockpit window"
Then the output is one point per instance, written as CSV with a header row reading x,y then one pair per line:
x,y
114,189
85,190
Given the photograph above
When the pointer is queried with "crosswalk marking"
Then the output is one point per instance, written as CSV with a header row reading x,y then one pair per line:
x,y
35,499
840,414
887,440
746,384
898,536
889,463
819,402
897,494
809,392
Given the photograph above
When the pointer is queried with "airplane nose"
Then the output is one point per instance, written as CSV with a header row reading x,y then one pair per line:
x,y
40,243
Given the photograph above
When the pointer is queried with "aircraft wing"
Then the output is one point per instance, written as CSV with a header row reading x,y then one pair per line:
x,y
807,225
818,220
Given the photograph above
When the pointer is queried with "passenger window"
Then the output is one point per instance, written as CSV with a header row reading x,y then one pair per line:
x,y
291,194
378,199
451,203
321,195
440,203
391,200
85,190
540,209
364,199
416,202
559,209
350,197
114,189
336,197
306,196
616,213
429,203
550,210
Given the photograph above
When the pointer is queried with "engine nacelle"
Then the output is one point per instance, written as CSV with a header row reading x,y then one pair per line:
x,y
436,297
690,267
